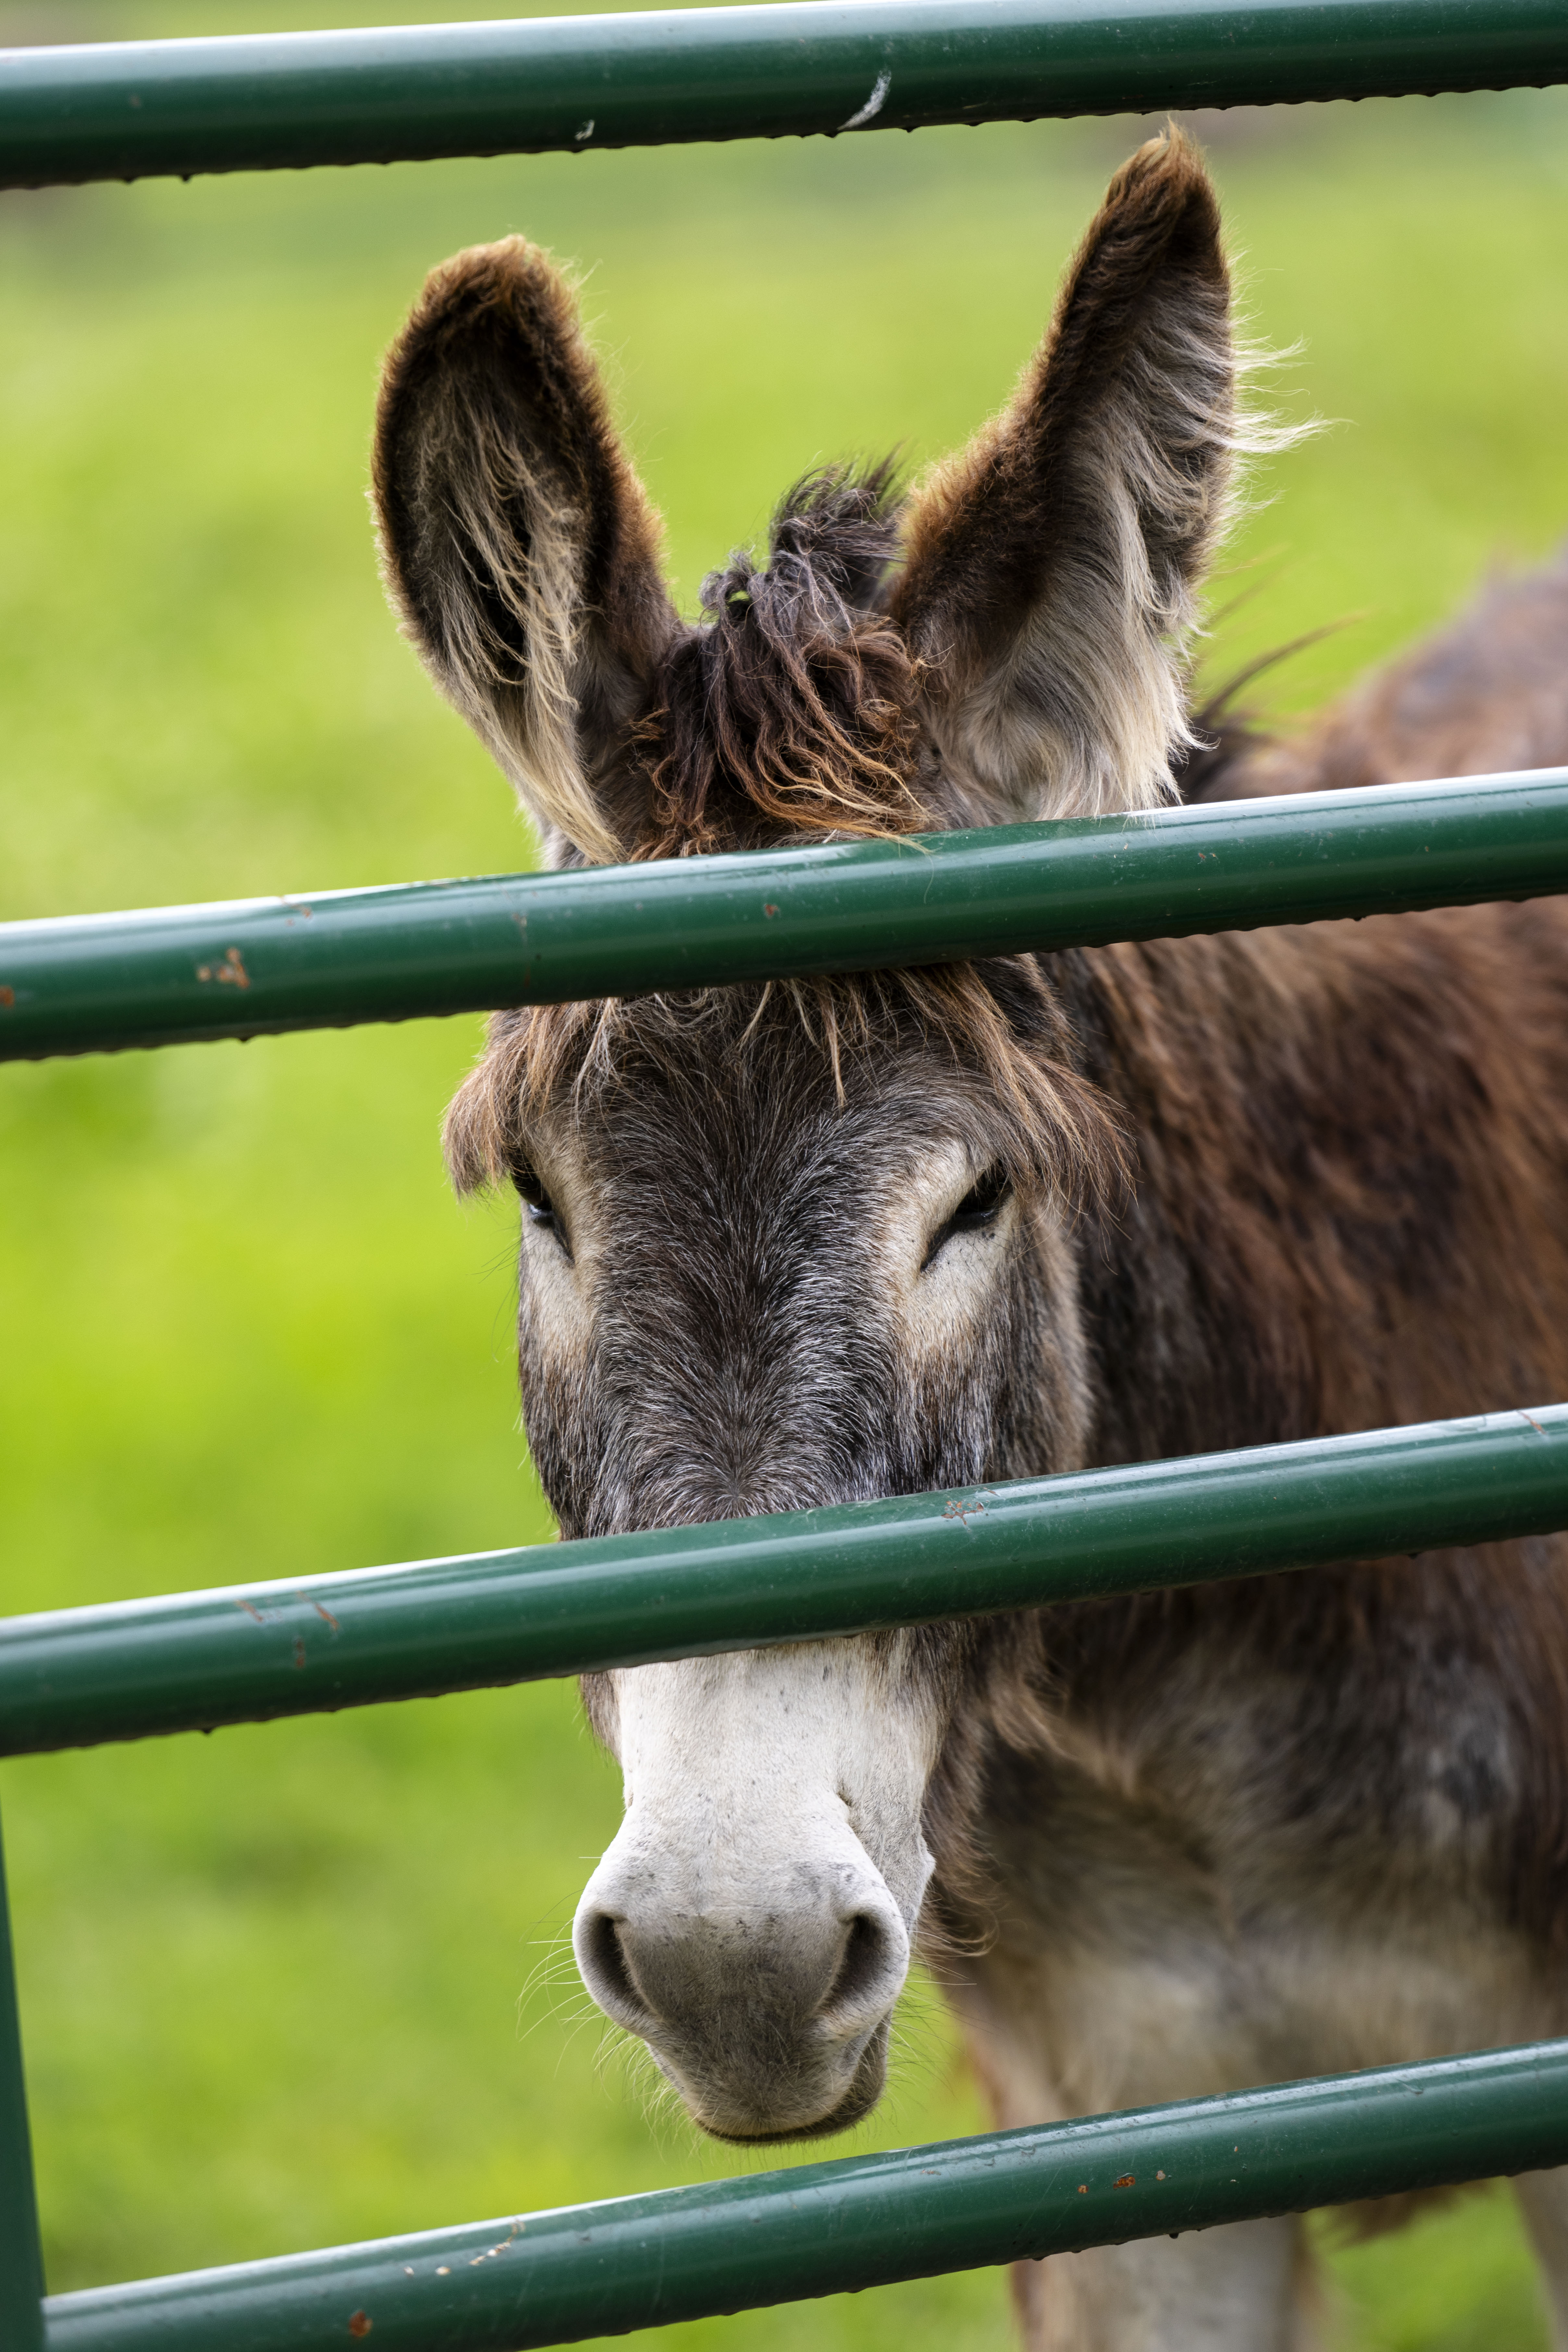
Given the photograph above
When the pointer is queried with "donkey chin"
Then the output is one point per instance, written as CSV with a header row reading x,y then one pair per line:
x,y
739,1925
788,2108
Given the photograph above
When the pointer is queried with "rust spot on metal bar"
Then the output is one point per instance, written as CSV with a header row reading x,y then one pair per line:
x,y
231,970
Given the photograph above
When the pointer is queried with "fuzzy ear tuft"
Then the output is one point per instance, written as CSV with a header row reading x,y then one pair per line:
x,y
1052,568
518,545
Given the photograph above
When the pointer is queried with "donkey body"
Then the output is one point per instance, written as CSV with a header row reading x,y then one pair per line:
x,y
794,1245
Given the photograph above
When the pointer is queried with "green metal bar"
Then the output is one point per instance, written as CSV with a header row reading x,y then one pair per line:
x,y
21,2260
191,1660
124,109
829,2229
92,983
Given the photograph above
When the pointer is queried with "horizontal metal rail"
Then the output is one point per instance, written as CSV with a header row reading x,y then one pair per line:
x,y
829,2229
124,109
132,1669
243,968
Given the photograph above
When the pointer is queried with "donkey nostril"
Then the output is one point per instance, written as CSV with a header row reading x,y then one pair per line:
x,y
601,1956
862,1978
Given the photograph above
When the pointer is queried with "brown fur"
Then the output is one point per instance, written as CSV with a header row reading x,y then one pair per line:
x,y
1486,694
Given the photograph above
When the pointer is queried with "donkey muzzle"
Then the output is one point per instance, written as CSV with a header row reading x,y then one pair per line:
x,y
768,2012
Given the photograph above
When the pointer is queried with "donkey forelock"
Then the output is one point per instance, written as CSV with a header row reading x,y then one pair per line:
x,y
796,711
998,1024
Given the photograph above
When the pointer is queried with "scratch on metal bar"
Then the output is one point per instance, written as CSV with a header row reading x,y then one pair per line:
x,y
874,104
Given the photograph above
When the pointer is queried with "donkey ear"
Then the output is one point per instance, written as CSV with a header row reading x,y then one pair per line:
x,y
518,544
1052,568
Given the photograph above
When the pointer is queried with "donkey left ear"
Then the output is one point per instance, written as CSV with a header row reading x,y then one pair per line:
x,y
1052,568
517,542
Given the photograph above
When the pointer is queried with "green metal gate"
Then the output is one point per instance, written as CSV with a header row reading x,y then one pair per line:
x,y
196,1660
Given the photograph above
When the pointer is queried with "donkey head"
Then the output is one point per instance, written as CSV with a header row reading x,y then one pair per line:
x,y
802,1245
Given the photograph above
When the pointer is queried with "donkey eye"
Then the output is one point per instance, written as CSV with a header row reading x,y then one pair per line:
x,y
981,1203
541,1210
980,1207
537,1201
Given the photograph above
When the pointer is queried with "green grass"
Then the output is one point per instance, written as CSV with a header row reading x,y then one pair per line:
x,y
271,1981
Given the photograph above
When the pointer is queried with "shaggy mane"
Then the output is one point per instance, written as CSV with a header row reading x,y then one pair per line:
x,y
794,710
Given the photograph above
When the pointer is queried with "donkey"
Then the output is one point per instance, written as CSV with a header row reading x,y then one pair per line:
x,y
810,1244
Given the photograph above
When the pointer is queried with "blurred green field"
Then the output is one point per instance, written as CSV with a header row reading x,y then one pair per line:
x,y
306,1983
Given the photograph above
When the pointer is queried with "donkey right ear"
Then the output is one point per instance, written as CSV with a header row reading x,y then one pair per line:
x,y
518,544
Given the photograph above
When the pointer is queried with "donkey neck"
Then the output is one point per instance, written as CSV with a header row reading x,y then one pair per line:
x,y
1348,1140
